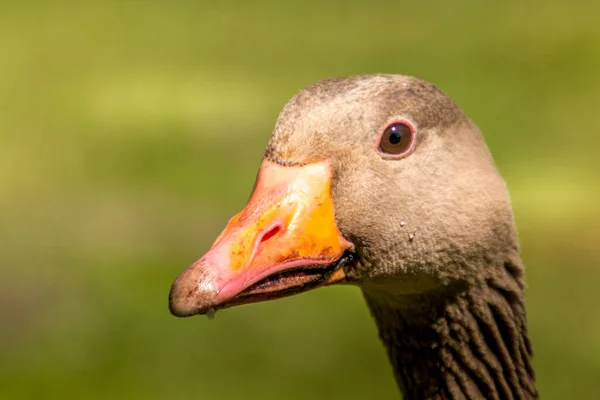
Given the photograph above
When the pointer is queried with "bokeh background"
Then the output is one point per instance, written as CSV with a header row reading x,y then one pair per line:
x,y
131,131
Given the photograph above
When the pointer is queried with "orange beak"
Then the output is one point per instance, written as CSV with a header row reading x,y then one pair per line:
x,y
284,241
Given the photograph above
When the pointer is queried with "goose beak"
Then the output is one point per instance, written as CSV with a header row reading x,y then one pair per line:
x,y
285,241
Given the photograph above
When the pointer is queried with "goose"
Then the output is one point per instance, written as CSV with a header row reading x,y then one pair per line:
x,y
381,181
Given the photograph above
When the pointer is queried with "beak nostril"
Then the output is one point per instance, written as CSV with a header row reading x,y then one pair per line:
x,y
270,233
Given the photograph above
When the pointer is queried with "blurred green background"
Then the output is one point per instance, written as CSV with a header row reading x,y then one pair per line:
x,y
131,131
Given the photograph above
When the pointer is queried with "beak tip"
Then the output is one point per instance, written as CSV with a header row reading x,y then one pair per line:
x,y
188,298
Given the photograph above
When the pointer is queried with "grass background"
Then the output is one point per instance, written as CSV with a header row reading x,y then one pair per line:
x,y
130,131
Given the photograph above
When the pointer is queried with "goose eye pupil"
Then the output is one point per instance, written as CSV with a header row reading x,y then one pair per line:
x,y
395,137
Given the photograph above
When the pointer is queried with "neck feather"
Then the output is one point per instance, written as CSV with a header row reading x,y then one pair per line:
x,y
467,343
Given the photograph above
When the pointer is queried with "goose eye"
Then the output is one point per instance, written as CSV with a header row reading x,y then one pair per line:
x,y
397,139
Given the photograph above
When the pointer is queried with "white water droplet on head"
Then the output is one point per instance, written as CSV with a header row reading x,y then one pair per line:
x,y
211,313
402,223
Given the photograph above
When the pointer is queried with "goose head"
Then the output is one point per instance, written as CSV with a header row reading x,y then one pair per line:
x,y
380,181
